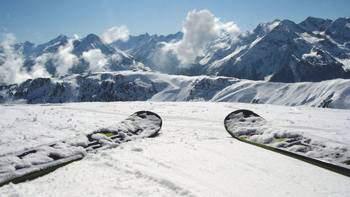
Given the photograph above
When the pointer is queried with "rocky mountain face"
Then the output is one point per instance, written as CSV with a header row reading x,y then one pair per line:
x,y
145,47
142,86
76,52
281,51
79,88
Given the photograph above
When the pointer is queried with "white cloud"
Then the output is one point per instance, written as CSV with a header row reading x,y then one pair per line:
x,y
96,59
11,62
64,59
39,70
199,28
115,33
12,68
116,58
76,36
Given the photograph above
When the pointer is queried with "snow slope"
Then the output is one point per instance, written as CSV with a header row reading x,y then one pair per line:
x,y
194,155
141,86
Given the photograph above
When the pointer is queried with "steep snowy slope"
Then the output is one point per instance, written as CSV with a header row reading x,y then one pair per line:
x,y
141,86
194,155
145,47
284,51
281,51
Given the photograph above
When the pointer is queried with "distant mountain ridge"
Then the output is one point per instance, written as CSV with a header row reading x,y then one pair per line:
x,y
115,59
314,50
152,86
144,47
288,52
279,51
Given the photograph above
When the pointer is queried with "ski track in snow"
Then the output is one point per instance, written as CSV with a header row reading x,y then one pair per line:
x,y
193,156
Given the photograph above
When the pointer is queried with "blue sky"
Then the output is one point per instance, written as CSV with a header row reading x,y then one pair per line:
x,y
41,20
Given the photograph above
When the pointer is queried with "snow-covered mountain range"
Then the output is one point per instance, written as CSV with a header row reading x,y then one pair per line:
x,y
77,55
315,52
282,51
145,47
142,86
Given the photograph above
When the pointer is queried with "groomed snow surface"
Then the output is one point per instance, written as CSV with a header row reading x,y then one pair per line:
x,y
193,156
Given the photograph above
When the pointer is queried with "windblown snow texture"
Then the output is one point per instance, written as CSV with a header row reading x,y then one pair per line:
x,y
29,164
248,126
194,155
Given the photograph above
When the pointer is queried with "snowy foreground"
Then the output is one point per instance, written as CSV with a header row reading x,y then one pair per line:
x,y
193,156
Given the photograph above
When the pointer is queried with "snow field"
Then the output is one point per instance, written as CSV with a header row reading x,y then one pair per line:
x,y
193,156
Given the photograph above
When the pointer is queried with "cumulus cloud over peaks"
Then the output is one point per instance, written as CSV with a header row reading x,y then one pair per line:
x,y
115,33
10,61
64,58
12,69
199,28
96,59
39,70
